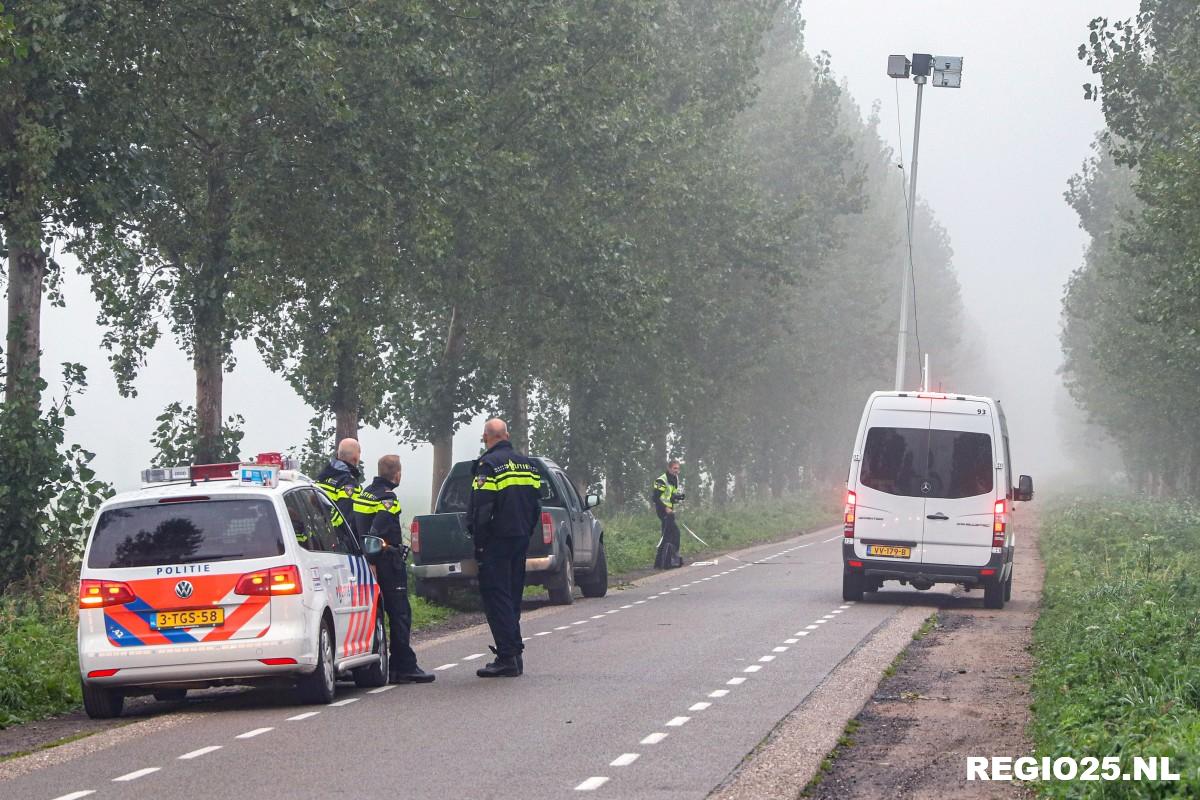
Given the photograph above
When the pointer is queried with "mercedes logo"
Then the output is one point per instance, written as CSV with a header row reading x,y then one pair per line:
x,y
183,589
926,488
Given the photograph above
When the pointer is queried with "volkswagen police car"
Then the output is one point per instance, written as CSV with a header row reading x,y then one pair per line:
x,y
224,574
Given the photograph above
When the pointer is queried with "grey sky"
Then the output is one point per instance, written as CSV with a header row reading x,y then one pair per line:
x,y
996,155
995,158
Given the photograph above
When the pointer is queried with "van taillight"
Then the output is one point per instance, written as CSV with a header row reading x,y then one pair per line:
x,y
999,524
848,530
414,533
277,580
100,594
547,528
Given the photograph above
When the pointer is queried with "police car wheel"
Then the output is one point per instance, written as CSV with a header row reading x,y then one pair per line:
x,y
102,703
374,675
320,685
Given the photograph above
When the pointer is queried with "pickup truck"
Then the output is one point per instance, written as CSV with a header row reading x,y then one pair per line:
x,y
566,551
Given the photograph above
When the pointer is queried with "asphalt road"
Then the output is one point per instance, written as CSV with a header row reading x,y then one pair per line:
x,y
656,691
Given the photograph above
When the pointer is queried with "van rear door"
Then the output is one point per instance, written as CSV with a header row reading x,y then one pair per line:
x,y
962,479
891,506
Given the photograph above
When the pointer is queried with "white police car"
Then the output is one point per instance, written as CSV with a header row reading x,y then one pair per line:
x,y
224,574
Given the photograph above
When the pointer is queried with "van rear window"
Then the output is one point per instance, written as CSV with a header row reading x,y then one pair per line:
x,y
917,462
182,533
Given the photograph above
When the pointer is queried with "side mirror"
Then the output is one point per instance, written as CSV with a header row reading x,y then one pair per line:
x,y
372,545
592,501
1024,489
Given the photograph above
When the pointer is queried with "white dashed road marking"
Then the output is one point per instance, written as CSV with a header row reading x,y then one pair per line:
x,y
345,702
653,738
790,641
543,633
699,706
305,715
203,751
382,689
591,784
445,666
780,649
133,776
474,656
767,659
719,693
676,722
625,759
752,668
253,733
735,681
76,795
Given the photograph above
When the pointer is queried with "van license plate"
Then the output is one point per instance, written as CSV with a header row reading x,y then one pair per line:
x,y
195,618
889,550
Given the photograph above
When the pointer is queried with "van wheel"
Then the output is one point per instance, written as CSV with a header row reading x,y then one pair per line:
x,y
596,582
1008,585
993,595
852,586
562,585
374,675
102,703
170,695
320,685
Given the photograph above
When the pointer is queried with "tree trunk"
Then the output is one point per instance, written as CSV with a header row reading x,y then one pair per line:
x,y
446,404
26,275
210,379
720,478
345,404
518,415
614,484
209,322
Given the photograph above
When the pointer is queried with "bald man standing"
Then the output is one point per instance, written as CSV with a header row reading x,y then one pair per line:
x,y
341,478
505,509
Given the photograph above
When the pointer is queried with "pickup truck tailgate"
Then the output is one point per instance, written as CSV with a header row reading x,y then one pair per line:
x,y
443,538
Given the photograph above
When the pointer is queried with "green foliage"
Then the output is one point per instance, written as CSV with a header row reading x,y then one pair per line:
x,y
48,493
39,666
1118,656
313,454
175,440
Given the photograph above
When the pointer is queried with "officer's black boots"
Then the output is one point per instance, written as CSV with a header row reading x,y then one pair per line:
x,y
502,667
416,675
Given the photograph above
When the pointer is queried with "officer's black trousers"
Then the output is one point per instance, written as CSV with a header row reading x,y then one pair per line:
x,y
393,584
501,585
670,536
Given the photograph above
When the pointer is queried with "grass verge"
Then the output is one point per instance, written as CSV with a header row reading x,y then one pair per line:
x,y
39,670
1118,641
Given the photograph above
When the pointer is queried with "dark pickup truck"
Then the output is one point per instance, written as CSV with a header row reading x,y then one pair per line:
x,y
565,551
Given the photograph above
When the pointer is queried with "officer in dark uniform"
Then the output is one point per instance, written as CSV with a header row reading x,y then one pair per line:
x,y
666,495
377,512
505,508
340,481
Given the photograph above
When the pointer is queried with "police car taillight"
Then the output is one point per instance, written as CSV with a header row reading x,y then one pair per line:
x,y
274,581
547,528
848,516
101,594
414,533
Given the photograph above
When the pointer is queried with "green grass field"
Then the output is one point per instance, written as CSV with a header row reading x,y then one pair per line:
x,y
1118,641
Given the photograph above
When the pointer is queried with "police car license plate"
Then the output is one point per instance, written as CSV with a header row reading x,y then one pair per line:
x,y
889,550
193,618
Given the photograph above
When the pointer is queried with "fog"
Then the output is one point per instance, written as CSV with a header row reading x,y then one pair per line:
x,y
996,155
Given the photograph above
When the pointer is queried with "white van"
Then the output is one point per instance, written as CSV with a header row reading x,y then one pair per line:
x,y
929,498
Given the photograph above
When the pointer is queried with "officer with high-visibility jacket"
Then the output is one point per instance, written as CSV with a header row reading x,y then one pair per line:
x,y
667,495
377,512
340,481
505,508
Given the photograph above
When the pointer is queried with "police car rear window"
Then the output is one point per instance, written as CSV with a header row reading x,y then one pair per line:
x,y
182,533
918,462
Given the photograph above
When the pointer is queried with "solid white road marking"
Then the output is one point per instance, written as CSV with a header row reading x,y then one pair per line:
x,y
445,666
203,751
625,759
719,693
735,681
305,715
76,795
653,738
699,706
381,689
592,784
253,733
133,776
765,659
780,649
752,668
676,722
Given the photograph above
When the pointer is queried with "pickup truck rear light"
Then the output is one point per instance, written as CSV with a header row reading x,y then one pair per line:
x,y
999,524
851,501
101,594
547,528
414,532
274,581
103,673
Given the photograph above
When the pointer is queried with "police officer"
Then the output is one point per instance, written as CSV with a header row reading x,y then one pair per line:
x,y
377,512
340,481
505,508
666,495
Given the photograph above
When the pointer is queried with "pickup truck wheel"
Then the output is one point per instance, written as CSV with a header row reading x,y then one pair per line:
x,y
375,675
993,595
102,703
595,583
562,585
852,586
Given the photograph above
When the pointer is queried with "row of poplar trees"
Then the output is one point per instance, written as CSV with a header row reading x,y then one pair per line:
x,y
633,227
1131,321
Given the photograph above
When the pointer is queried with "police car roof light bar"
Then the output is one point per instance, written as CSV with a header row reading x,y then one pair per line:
x,y
215,472
166,474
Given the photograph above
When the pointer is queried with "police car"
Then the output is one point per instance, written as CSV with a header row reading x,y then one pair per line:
x,y
225,574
